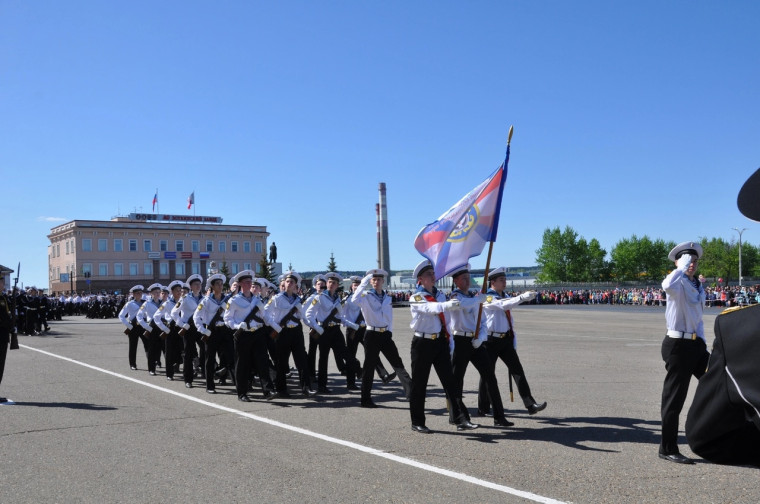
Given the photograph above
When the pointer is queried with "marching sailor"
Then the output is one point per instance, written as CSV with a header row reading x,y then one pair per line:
x,y
128,317
182,314
145,319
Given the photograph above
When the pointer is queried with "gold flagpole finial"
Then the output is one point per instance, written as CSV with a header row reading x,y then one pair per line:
x,y
509,138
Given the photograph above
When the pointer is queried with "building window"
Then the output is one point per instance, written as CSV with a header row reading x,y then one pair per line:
x,y
118,269
132,269
163,268
222,246
148,269
118,245
258,268
196,268
86,245
86,270
209,246
258,247
179,245
102,269
196,245
247,247
163,245
58,250
233,246
102,245
67,248
133,245
247,266
179,267
147,245
235,268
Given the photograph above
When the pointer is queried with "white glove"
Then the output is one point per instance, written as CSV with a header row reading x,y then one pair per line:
x,y
129,326
451,305
186,327
366,279
242,325
205,332
683,263
528,296
352,325
476,342
481,299
319,330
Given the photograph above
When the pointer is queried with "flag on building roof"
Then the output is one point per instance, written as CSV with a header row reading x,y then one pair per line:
x,y
463,230
155,200
190,200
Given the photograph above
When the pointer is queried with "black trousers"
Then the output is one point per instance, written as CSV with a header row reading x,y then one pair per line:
x,y
155,347
251,353
219,343
4,343
190,339
173,349
428,353
464,353
136,334
683,358
374,344
504,349
290,341
353,339
332,339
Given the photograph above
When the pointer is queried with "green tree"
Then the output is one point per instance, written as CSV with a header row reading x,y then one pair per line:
x,y
265,270
225,270
331,266
563,257
641,259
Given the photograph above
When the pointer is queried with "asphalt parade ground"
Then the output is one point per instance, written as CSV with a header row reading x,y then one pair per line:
x,y
83,427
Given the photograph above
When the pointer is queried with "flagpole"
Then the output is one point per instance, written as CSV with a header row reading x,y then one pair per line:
x,y
158,205
490,249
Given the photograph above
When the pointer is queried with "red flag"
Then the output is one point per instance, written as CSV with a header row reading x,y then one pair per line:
x,y
190,200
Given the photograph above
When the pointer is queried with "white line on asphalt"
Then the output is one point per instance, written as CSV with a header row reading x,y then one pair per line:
x,y
329,439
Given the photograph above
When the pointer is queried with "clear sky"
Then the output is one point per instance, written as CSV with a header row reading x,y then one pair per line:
x,y
630,118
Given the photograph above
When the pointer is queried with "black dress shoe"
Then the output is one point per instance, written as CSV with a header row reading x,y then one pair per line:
x,y
324,390
389,377
270,394
421,429
211,391
152,373
284,394
170,378
370,404
483,413
188,385
133,368
502,422
244,398
467,425
535,408
308,392
677,458
352,387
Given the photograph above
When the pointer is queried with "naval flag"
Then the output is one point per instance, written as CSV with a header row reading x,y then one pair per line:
x,y
463,230
190,200
155,200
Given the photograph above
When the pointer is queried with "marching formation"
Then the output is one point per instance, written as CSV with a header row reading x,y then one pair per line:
x,y
249,334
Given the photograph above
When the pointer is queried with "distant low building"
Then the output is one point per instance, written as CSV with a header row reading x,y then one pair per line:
x,y
90,255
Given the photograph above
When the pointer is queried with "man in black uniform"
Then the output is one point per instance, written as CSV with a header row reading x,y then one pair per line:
x,y
6,328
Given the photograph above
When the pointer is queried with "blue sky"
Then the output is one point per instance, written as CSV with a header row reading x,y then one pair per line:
x,y
630,118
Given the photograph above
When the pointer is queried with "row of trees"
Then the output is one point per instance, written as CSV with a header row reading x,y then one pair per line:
x,y
566,257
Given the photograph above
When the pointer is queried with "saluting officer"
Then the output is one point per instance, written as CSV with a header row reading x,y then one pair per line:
x,y
324,315
284,314
145,319
245,316
430,348
502,341
182,314
357,327
684,348
128,317
377,311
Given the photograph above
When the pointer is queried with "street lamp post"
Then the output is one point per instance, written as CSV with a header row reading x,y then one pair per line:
x,y
740,231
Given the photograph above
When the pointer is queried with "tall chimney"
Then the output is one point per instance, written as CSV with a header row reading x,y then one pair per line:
x,y
384,256
379,232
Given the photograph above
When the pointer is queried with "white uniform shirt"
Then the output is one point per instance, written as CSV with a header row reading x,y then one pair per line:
x,y
146,312
320,308
377,309
278,307
495,309
164,314
238,309
464,320
683,311
205,313
184,310
425,317
128,313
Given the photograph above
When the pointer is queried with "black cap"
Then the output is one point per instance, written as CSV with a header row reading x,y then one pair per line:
x,y
749,197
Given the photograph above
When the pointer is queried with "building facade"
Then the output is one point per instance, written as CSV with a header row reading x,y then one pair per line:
x,y
94,256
